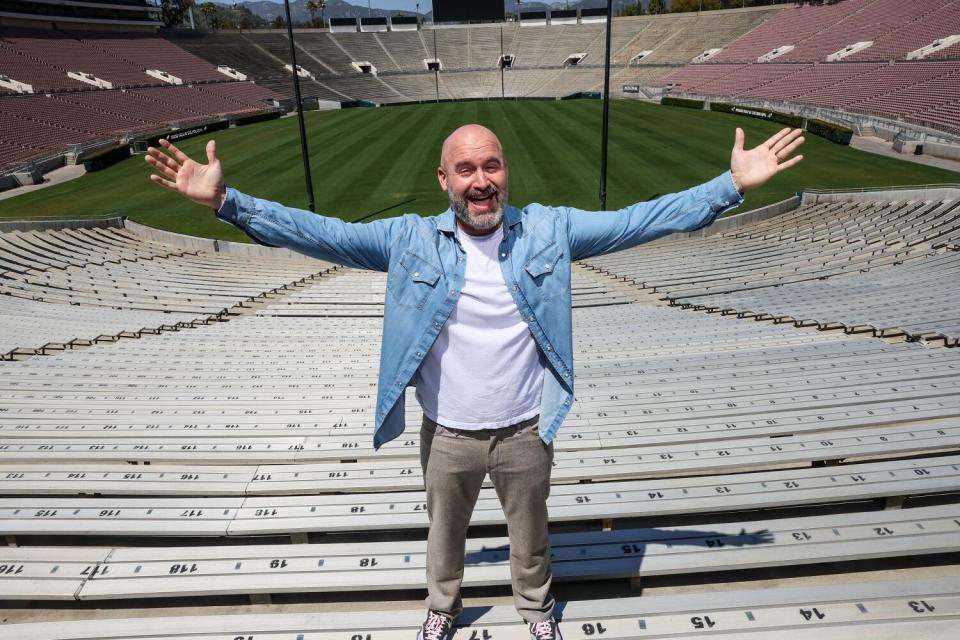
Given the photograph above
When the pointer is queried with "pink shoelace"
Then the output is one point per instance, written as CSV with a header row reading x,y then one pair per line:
x,y
542,630
435,627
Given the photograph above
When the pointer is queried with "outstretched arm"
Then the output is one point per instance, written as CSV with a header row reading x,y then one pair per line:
x,y
366,246
594,233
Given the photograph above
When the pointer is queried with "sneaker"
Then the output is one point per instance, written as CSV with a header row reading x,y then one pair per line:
x,y
546,630
437,626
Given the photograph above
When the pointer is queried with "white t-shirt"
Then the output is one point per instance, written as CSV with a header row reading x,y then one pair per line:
x,y
484,371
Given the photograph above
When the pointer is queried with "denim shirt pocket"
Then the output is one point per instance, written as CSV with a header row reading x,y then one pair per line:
x,y
544,261
411,284
541,269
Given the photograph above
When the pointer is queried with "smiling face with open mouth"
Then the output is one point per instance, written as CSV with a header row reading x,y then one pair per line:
x,y
474,174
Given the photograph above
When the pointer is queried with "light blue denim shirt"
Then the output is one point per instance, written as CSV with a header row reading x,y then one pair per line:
x,y
425,267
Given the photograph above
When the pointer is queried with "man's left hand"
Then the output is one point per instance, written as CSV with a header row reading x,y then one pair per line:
x,y
750,169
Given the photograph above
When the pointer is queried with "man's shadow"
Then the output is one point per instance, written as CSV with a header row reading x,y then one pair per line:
x,y
612,554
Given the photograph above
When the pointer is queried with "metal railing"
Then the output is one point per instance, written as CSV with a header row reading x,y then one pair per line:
x,y
909,187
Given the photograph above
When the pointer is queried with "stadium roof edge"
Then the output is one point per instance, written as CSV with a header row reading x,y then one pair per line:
x,y
41,19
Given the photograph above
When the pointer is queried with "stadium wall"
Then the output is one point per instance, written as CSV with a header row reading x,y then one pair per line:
x,y
935,142
730,223
54,224
196,243
883,194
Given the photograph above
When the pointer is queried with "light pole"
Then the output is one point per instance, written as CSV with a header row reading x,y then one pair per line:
x,y
296,92
605,126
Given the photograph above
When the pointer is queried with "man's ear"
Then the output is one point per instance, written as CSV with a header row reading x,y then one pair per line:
x,y
442,178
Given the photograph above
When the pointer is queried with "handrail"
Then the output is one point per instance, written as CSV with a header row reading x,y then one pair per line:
x,y
909,187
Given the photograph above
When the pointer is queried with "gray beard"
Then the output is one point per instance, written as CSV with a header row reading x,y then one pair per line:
x,y
461,210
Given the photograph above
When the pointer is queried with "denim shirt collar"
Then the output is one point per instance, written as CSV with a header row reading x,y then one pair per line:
x,y
448,219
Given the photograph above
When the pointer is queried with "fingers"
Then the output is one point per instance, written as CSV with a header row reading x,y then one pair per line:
x,y
161,166
162,159
789,163
787,150
785,141
164,183
179,155
738,139
775,138
212,151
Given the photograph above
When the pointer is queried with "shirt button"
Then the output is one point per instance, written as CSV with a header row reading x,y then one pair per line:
x,y
549,348
503,255
566,402
436,325
416,273
419,354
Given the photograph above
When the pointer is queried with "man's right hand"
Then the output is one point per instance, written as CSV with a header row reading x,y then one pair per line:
x,y
202,183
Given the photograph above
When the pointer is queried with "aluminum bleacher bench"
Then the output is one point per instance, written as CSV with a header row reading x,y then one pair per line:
x,y
152,572
270,436
892,610
889,481
397,474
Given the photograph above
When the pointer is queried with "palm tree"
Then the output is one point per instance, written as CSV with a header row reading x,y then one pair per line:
x,y
312,6
209,11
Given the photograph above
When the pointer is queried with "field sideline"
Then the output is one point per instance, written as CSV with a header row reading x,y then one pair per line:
x,y
384,160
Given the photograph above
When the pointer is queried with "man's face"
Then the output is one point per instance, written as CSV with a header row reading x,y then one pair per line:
x,y
474,175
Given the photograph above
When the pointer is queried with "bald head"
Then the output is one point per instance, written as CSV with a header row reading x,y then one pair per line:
x,y
469,137
474,174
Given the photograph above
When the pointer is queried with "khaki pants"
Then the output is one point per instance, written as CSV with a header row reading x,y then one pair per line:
x,y
454,464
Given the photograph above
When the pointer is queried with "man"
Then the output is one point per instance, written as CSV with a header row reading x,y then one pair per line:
x,y
478,317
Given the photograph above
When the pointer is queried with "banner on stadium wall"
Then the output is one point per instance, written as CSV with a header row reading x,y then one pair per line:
x,y
189,132
338,25
373,24
474,11
404,23
631,88
598,14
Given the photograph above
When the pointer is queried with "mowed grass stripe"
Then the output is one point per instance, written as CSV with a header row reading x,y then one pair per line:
x,y
365,160
391,178
562,158
352,155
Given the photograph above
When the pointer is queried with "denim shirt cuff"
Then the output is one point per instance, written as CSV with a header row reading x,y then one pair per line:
x,y
232,211
722,194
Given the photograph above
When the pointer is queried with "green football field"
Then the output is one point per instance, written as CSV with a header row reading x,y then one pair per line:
x,y
382,162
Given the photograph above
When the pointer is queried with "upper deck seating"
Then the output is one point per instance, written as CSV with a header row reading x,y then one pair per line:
x,y
150,52
876,80
228,49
